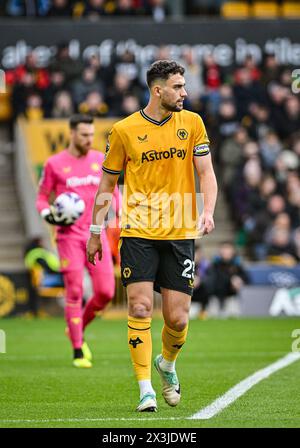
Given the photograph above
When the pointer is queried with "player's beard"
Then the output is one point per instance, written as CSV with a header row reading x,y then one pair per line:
x,y
83,150
175,107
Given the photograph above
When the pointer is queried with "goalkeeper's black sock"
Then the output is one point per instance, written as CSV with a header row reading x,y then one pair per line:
x,y
78,353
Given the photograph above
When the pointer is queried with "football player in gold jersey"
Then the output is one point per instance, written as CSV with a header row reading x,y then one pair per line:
x,y
158,148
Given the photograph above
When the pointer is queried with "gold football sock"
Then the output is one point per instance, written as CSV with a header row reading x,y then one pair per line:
x,y
140,346
172,341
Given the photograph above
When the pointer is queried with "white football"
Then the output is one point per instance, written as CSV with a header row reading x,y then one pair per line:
x,y
68,207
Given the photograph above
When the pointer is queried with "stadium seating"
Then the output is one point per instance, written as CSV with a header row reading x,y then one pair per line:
x,y
260,9
290,10
265,10
235,10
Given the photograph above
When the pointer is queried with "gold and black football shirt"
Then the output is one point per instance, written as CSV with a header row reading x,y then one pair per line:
x,y
159,198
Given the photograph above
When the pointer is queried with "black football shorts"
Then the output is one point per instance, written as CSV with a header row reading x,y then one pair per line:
x,y
167,263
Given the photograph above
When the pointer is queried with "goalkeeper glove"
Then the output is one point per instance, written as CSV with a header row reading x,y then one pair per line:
x,y
49,216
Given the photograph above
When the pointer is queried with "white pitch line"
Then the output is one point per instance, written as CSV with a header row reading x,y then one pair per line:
x,y
204,414
241,388
81,420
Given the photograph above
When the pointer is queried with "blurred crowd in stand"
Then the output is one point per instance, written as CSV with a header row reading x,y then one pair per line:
x,y
251,113
158,10
90,9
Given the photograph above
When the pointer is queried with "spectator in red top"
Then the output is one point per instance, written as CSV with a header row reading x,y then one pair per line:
x,y
212,79
212,75
251,65
41,75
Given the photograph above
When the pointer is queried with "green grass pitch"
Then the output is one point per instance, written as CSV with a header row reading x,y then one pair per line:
x,y
40,388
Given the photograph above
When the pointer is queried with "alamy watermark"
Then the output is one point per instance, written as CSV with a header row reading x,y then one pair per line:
x,y
296,343
2,82
153,211
296,80
2,341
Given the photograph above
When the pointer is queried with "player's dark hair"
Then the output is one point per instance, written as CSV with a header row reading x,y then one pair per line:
x,y
163,70
76,119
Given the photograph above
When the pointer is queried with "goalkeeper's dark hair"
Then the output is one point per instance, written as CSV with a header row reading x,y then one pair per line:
x,y
76,119
163,69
